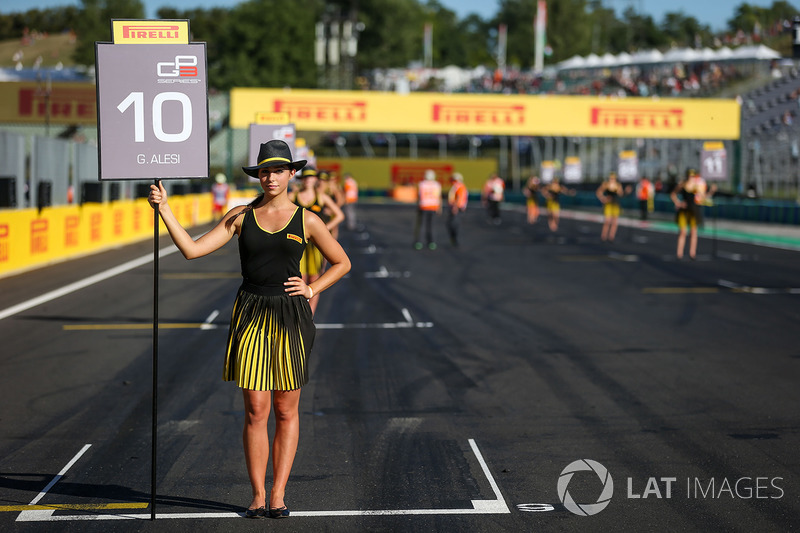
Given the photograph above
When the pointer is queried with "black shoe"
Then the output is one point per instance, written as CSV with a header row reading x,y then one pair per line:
x,y
280,512
261,512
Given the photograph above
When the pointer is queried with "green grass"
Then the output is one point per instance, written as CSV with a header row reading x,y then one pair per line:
x,y
53,49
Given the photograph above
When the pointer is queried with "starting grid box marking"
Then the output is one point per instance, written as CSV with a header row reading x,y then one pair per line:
x,y
46,513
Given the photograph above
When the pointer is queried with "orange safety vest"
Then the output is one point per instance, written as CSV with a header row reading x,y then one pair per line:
x,y
350,191
458,195
430,195
494,189
644,190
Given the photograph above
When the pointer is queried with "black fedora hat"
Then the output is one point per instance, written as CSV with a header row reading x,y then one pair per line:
x,y
308,172
272,154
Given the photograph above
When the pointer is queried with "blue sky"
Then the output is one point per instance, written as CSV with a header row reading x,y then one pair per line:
x,y
712,12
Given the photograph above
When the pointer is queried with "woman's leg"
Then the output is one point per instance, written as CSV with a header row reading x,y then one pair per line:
x,y
284,445
554,221
693,242
681,241
612,233
256,442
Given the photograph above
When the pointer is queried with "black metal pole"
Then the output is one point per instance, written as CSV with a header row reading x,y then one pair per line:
x,y
154,429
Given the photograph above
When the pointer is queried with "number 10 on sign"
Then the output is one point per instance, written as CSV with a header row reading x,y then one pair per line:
x,y
137,100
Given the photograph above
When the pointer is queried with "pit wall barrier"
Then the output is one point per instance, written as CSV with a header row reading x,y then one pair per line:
x,y
30,238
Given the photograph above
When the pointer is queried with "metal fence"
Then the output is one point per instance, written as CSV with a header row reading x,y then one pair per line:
x,y
39,171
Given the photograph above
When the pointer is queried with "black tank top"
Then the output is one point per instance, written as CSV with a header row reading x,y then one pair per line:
x,y
315,207
269,259
612,195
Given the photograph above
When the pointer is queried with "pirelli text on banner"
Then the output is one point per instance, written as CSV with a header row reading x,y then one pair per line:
x,y
480,114
150,31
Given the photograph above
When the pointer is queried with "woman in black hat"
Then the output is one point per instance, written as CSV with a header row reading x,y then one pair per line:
x,y
271,329
309,197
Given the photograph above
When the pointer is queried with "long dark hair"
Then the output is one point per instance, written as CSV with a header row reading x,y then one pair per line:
x,y
248,207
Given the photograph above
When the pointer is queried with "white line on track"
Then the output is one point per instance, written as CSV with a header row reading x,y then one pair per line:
x,y
495,506
86,282
630,258
207,324
731,256
377,325
383,273
409,323
757,290
60,475
369,250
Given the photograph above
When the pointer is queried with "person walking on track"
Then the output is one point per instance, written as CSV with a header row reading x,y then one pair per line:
x,y
457,203
271,330
645,195
429,203
350,201
492,195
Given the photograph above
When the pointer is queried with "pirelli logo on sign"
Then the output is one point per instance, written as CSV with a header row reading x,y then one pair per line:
x,y
478,114
66,103
150,31
505,114
322,111
270,117
637,118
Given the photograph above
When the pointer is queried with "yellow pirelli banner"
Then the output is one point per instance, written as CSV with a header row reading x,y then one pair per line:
x,y
66,103
489,114
30,238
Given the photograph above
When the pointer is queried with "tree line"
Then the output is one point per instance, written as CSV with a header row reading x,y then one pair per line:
x,y
270,43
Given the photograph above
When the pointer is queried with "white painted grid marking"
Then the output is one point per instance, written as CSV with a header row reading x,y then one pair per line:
x,y
207,323
496,506
60,475
409,323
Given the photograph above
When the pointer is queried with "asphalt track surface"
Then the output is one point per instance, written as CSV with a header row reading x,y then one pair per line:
x,y
450,389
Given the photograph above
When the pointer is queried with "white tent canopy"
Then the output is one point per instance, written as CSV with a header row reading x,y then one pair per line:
x,y
674,55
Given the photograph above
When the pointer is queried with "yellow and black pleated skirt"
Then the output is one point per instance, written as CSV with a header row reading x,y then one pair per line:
x,y
269,341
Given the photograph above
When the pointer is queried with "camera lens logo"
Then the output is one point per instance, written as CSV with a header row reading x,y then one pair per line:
x,y
585,509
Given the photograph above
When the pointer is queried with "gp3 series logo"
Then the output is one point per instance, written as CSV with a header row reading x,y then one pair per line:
x,y
182,70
